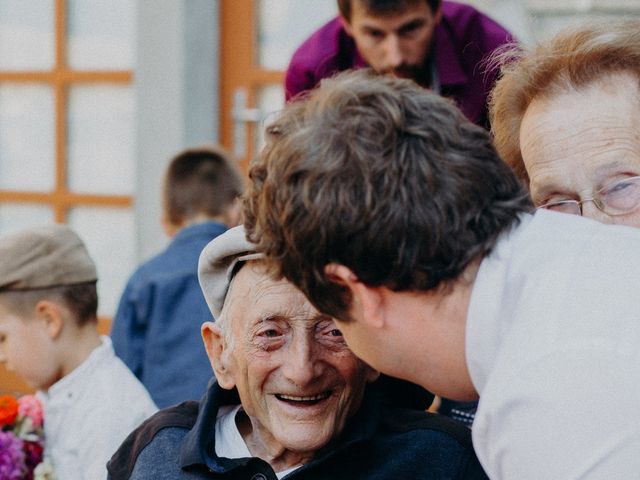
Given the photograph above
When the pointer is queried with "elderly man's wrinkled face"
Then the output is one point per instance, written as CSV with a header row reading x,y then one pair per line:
x,y
297,379
583,144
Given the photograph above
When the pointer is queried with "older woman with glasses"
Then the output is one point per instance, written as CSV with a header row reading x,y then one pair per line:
x,y
566,117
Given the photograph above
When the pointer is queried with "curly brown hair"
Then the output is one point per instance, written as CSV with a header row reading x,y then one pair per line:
x,y
384,177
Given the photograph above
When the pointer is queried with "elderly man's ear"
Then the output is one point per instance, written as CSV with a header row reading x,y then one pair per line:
x,y
216,347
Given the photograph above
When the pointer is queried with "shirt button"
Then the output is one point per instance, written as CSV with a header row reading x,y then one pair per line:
x,y
258,476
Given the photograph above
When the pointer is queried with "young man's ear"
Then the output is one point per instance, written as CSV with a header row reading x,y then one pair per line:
x,y
366,302
50,316
216,346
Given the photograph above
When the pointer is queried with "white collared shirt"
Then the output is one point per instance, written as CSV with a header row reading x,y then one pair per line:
x,y
229,442
89,412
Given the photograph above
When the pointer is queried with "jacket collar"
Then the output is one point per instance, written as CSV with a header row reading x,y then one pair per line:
x,y
201,438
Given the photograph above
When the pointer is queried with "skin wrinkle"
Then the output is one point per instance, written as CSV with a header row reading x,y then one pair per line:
x,y
223,321
283,346
577,141
548,172
262,287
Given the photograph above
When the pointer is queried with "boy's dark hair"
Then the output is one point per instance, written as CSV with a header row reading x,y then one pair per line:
x,y
200,181
384,7
81,300
384,177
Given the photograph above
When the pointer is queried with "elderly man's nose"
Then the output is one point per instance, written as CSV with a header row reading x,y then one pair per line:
x,y
301,364
392,52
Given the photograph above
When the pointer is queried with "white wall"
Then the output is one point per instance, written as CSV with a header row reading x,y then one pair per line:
x,y
176,88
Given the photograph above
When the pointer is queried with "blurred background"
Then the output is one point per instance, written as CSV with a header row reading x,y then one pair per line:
x,y
97,95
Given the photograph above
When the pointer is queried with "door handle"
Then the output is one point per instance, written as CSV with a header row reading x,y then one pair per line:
x,y
241,115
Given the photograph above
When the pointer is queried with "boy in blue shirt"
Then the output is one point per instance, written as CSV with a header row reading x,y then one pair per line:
x,y
156,330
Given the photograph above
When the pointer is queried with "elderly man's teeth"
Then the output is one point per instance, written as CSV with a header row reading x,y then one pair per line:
x,y
313,398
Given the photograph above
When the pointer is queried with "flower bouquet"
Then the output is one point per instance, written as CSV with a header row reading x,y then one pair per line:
x,y
22,439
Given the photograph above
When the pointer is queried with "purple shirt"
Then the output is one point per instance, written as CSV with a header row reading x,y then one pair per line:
x,y
462,42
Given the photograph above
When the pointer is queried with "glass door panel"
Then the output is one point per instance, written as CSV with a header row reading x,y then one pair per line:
x,y
283,25
26,34
27,137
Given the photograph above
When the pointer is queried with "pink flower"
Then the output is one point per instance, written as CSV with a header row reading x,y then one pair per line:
x,y
30,406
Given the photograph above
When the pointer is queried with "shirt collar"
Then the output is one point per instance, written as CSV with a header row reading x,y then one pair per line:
x,y
72,385
207,228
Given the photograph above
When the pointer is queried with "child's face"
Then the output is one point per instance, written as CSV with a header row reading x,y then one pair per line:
x,y
27,349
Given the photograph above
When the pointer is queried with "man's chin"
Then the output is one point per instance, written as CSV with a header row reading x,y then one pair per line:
x,y
305,440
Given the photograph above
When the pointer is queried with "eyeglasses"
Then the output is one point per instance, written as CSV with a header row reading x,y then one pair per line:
x,y
617,198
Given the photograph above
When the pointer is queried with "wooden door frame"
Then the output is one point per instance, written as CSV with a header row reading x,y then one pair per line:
x,y
60,78
238,66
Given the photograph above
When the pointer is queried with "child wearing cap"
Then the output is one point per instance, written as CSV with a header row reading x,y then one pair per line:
x,y
48,336
156,330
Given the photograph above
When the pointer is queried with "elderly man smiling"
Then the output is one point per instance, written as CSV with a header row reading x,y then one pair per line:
x,y
290,399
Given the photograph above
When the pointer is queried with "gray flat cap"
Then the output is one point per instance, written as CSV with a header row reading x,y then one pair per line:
x,y
219,262
42,257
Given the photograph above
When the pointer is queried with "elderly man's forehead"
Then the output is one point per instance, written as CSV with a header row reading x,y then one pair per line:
x,y
250,275
254,288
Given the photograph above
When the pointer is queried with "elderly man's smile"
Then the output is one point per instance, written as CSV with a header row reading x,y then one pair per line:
x,y
303,400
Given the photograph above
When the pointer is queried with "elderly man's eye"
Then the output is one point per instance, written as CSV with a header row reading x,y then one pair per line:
x,y
270,333
333,335
269,339
326,331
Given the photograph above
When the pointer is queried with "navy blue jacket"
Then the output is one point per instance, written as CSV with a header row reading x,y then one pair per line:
x,y
156,330
377,443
